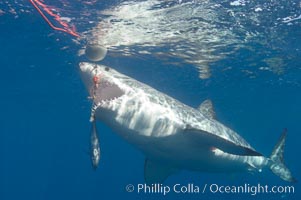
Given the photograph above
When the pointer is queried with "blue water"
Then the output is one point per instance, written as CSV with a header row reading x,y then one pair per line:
x,y
45,129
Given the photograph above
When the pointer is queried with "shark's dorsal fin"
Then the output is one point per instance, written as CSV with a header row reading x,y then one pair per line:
x,y
206,108
211,140
155,172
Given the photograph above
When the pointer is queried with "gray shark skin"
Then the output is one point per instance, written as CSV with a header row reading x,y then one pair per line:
x,y
172,135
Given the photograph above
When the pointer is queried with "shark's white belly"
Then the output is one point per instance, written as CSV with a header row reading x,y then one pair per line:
x,y
179,151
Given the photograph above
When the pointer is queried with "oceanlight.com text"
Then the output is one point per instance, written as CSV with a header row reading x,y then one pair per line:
x,y
192,188
251,189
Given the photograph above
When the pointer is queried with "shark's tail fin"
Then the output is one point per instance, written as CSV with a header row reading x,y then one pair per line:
x,y
277,162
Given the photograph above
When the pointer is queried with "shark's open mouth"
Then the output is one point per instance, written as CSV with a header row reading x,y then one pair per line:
x,y
106,92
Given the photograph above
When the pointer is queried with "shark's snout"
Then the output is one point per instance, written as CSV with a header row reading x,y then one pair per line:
x,y
85,67
86,73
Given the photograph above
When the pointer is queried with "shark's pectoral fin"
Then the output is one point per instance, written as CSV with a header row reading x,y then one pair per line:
x,y
227,146
155,172
206,108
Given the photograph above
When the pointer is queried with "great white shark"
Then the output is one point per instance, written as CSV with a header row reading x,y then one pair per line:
x,y
172,135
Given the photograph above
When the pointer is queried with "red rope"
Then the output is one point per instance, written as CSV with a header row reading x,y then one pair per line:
x,y
66,28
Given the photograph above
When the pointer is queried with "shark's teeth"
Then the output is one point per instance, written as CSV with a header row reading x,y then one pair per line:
x,y
96,105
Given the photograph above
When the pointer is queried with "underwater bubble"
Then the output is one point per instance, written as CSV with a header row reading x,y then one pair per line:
x,y
95,52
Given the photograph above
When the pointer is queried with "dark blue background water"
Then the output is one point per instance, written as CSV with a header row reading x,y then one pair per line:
x,y
44,127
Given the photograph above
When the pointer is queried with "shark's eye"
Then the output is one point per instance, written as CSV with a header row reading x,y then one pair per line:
x,y
107,69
